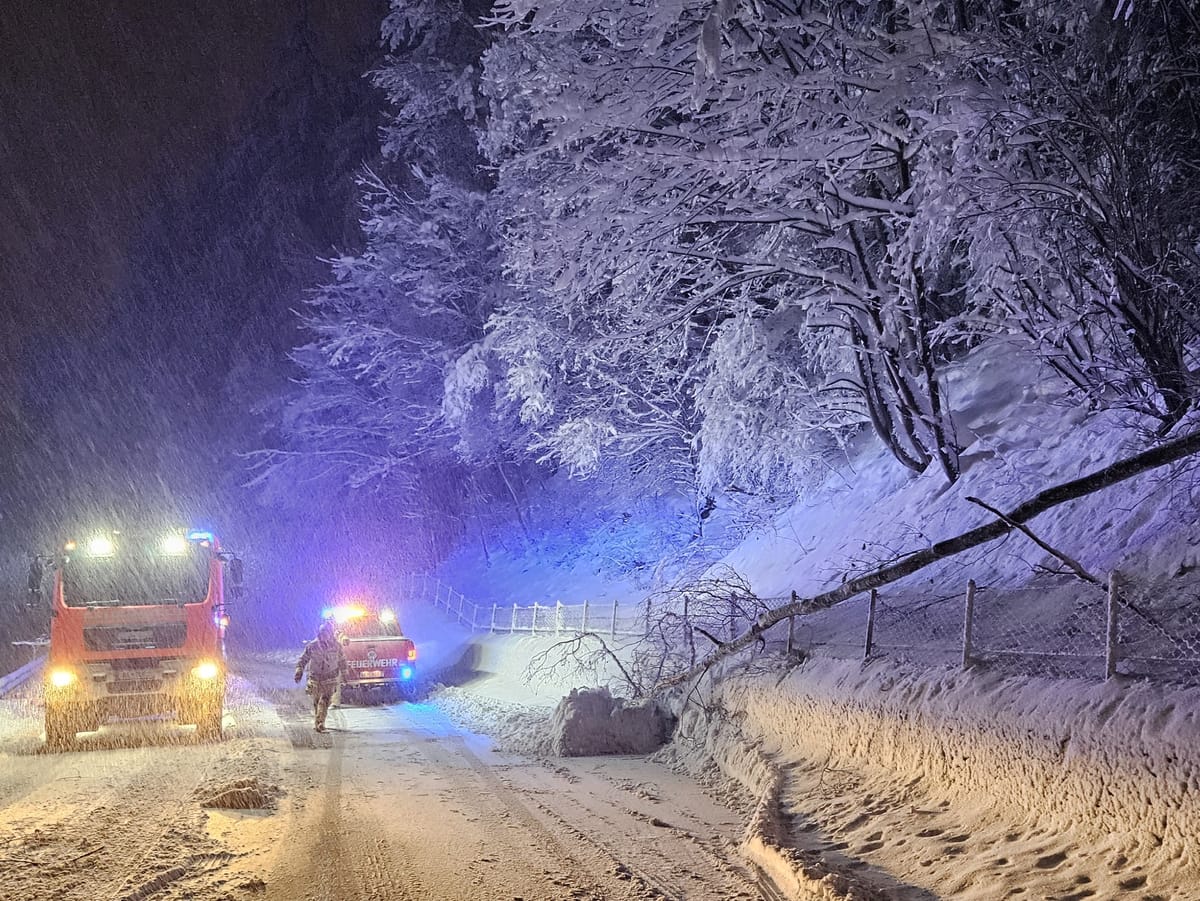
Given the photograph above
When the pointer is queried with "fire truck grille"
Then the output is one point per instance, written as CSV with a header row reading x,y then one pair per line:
x,y
134,663
131,638
141,685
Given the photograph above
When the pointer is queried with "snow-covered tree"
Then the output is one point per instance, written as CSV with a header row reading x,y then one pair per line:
x,y
708,240
395,317
665,167
1093,193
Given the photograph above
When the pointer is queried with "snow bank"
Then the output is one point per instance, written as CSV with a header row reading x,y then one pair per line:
x,y
590,722
1114,766
1102,758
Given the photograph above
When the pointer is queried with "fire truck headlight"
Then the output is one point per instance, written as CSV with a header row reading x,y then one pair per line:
x,y
100,546
406,672
174,545
62,678
207,670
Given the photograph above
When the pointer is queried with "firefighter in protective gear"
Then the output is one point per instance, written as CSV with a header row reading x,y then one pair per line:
x,y
326,661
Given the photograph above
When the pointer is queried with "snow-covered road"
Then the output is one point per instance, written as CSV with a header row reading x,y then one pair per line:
x,y
395,802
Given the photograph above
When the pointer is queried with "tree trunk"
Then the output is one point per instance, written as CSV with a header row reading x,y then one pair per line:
x,y
1038,504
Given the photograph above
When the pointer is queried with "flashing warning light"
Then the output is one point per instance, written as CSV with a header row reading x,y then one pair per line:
x,y
174,545
406,672
101,546
70,546
196,535
344,613
387,616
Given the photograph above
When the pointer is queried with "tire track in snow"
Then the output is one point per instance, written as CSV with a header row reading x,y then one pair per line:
x,y
343,858
650,883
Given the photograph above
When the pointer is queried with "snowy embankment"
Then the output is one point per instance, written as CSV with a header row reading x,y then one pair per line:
x,y
1012,782
873,781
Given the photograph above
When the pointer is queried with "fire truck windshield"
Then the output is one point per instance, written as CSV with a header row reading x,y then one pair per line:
x,y
136,577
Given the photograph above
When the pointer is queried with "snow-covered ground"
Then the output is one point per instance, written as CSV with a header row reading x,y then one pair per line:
x,y
394,802
895,782
901,778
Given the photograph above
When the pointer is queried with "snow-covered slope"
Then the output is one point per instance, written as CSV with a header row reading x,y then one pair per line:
x,y
1020,436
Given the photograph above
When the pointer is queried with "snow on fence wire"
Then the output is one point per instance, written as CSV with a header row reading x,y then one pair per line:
x,y
613,618
1116,628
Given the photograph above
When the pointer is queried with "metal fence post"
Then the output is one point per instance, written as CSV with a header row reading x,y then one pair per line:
x,y
791,639
493,626
583,625
968,622
533,623
1110,650
614,620
513,629
557,617
870,643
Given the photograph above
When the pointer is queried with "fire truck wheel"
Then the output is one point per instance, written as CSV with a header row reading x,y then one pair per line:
x,y
60,727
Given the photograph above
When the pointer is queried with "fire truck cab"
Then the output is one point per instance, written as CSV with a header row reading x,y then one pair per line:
x,y
137,628
379,655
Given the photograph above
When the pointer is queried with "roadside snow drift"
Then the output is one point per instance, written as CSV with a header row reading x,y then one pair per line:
x,y
1078,782
590,722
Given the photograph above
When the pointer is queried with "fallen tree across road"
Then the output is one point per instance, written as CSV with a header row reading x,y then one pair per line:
x,y
1169,452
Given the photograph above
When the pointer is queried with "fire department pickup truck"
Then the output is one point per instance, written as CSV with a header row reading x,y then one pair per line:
x,y
379,655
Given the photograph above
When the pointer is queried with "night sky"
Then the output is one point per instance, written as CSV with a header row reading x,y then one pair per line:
x,y
170,175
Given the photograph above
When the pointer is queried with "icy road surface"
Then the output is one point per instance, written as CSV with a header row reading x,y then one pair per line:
x,y
395,802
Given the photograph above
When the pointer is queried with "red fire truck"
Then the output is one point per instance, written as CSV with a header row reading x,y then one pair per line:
x,y
379,654
137,628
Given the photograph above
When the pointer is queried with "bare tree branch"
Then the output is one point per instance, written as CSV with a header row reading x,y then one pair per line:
x,y
1071,563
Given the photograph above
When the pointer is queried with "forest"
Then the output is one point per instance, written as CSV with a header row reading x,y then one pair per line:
x,y
699,248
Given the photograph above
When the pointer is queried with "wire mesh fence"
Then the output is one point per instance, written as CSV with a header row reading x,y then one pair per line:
x,y
1056,627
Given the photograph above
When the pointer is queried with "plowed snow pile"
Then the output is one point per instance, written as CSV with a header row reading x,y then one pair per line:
x,y
966,785
238,794
590,722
